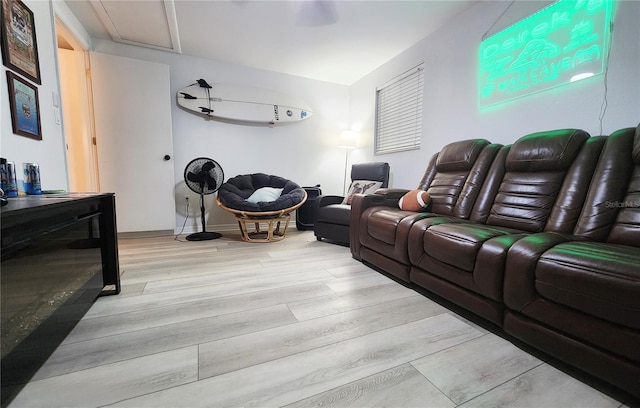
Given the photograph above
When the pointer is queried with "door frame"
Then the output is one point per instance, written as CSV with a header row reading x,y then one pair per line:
x,y
82,136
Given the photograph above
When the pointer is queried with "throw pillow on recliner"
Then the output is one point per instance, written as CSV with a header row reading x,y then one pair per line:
x,y
361,187
415,200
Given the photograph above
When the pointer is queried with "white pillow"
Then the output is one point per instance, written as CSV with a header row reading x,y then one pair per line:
x,y
265,194
361,187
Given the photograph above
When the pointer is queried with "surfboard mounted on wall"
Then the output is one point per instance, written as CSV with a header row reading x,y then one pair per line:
x,y
242,103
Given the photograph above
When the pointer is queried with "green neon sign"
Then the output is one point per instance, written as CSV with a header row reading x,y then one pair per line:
x,y
562,43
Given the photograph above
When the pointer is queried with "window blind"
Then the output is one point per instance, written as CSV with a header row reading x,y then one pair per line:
x,y
399,112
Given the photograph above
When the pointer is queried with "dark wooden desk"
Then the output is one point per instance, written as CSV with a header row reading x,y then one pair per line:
x,y
59,253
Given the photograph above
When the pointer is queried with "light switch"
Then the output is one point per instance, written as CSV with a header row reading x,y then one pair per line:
x,y
56,114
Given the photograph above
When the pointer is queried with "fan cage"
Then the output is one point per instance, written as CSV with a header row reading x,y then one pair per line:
x,y
195,166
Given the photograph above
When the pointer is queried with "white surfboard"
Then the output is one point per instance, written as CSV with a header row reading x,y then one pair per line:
x,y
242,103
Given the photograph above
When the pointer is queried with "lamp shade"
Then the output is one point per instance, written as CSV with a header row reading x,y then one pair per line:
x,y
348,140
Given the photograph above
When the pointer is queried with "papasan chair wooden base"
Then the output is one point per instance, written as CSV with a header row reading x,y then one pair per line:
x,y
269,218
268,227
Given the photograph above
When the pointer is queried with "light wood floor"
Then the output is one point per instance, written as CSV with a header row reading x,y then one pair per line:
x,y
295,323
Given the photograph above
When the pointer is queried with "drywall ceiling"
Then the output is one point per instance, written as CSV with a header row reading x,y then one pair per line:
x,y
334,41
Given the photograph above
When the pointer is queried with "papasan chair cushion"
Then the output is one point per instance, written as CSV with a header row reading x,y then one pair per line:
x,y
235,192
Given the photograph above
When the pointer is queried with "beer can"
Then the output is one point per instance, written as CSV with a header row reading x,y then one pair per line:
x,y
31,172
10,187
3,173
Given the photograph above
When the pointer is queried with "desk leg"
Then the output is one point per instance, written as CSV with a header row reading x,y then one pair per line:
x,y
109,237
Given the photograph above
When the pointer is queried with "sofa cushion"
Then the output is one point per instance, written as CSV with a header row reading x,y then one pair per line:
x,y
445,191
597,278
525,200
536,166
458,244
334,214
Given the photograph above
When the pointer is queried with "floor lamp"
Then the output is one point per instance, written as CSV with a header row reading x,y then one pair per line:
x,y
348,142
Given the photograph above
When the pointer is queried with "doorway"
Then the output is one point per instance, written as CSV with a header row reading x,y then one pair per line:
x,y
76,105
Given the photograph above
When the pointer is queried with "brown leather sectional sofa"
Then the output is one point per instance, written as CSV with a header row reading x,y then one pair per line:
x,y
541,238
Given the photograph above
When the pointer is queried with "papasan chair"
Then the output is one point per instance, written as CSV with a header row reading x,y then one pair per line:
x,y
261,199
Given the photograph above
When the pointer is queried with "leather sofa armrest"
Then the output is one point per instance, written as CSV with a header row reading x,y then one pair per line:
x,y
359,203
325,200
519,287
391,193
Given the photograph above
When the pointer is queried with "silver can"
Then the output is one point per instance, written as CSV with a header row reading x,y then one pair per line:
x,y
10,187
31,173
3,173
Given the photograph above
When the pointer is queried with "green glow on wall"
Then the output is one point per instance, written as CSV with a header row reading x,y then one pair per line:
x,y
564,42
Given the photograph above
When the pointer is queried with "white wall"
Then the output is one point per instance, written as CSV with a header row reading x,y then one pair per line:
x,y
305,152
49,152
450,97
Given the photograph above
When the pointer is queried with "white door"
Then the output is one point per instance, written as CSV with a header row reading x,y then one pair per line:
x,y
132,108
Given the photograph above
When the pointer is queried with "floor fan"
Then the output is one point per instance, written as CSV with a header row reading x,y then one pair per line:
x,y
203,176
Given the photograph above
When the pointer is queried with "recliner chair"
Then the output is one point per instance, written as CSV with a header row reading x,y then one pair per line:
x,y
332,212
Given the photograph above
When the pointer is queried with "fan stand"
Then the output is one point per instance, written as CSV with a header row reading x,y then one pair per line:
x,y
204,235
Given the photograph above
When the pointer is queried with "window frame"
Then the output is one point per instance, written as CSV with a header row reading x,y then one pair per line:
x,y
398,112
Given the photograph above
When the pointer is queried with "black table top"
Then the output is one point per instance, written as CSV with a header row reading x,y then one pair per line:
x,y
24,203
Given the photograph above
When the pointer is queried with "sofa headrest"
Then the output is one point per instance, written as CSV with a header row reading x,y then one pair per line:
x,y
460,156
636,146
553,150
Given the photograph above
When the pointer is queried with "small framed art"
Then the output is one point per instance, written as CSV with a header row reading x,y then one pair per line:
x,y
19,45
25,108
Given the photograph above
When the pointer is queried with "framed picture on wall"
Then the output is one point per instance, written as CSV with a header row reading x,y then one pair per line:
x,y
19,45
25,108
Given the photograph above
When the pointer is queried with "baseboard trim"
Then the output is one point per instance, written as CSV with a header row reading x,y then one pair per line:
x,y
186,231
145,234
